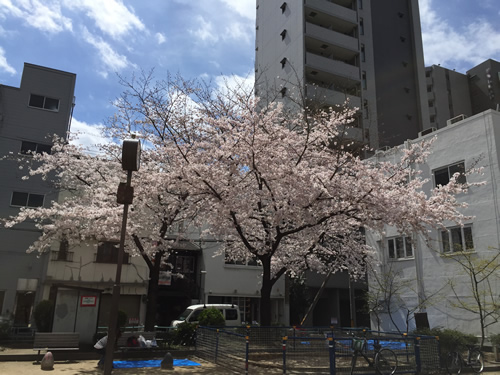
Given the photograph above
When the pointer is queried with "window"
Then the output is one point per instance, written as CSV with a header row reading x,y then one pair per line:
x,y
283,62
184,264
245,262
28,148
361,26
283,92
457,239
283,7
283,34
362,53
39,101
360,4
107,252
363,80
26,199
442,175
400,247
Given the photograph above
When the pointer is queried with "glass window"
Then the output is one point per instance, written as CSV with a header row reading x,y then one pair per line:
x,y
400,247
39,101
442,175
107,252
26,199
457,239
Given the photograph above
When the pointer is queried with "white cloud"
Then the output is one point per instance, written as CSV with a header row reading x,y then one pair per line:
x,y
160,38
111,59
45,16
245,8
446,44
204,31
112,17
4,65
87,135
235,82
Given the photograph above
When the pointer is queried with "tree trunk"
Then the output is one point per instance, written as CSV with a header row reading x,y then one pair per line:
x,y
151,306
265,293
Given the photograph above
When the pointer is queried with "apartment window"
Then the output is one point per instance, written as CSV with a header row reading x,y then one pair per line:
x,y
457,239
283,62
184,264
107,252
442,175
361,26
362,53
363,80
360,4
28,148
283,7
283,34
283,92
400,247
20,199
44,102
253,261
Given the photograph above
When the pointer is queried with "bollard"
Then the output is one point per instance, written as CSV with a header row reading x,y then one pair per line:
x,y
168,362
284,354
47,362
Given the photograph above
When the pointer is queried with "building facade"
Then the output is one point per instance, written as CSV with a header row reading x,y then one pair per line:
x,y
322,53
29,115
426,275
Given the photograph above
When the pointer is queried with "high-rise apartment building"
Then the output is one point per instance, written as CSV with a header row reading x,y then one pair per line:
x,y
453,96
325,52
40,107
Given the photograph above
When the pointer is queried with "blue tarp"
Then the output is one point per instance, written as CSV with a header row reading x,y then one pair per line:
x,y
152,363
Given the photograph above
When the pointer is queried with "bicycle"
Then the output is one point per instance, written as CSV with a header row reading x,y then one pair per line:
x,y
455,361
384,360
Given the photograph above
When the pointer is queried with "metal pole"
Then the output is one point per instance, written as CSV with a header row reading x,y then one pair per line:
x,y
113,313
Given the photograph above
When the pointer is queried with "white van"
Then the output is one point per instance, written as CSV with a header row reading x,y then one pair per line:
x,y
231,314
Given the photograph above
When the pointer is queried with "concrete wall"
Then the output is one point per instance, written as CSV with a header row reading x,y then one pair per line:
x,y
476,142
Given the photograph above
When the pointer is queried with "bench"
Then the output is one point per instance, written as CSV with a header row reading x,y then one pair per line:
x,y
121,344
56,341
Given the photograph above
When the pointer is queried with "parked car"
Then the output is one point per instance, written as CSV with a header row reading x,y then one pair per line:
x,y
230,312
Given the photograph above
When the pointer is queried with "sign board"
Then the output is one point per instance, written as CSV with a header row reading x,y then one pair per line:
x,y
165,278
88,301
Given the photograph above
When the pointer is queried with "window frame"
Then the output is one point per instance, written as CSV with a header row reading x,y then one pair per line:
x,y
30,151
448,246
405,241
27,203
109,256
446,168
44,104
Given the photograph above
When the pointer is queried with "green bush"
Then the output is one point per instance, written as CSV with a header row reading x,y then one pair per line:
x,y
185,334
495,339
43,315
211,317
450,339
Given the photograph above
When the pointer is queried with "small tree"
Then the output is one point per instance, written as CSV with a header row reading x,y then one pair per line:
x,y
482,299
211,317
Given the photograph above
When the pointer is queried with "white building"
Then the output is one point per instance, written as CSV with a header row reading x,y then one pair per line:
x,y
426,270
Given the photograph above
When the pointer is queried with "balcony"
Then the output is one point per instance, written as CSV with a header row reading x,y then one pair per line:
x,y
332,37
339,68
330,96
344,15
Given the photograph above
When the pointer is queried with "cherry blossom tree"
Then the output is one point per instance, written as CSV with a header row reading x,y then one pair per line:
x,y
272,183
282,185
87,209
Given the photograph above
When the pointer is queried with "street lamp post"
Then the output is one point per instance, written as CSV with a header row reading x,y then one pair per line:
x,y
131,156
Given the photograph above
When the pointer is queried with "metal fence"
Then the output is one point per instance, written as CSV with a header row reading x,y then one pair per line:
x,y
320,350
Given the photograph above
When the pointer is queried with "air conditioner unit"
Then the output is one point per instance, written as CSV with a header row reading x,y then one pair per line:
x,y
426,131
455,119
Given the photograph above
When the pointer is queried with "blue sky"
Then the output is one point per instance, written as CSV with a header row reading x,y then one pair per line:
x,y
96,39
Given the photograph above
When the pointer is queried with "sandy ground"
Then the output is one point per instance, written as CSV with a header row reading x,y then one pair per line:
x,y
88,367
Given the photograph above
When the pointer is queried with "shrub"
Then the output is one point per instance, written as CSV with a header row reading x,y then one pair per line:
x,y
211,317
185,334
43,315
495,339
450,339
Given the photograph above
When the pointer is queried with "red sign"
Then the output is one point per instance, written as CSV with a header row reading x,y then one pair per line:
x,y
88,301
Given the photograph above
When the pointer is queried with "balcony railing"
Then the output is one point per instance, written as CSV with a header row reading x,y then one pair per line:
x,y
335,67
331,36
